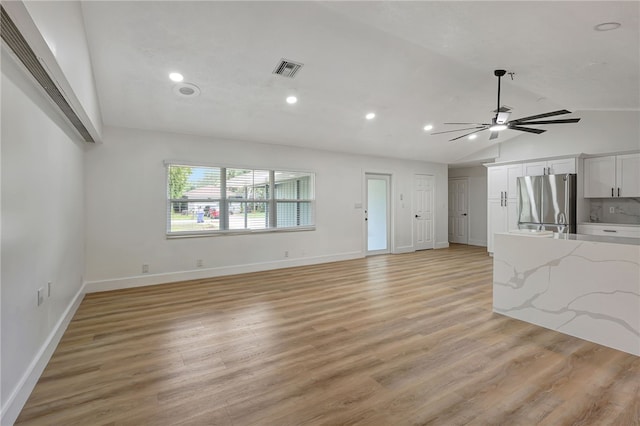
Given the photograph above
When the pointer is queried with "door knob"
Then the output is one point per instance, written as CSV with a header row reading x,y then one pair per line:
x,y
418,216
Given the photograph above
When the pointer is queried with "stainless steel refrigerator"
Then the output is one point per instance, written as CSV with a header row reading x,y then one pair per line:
x,y
547,203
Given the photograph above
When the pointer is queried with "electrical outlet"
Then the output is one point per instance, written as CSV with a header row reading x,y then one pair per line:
x,y
145,268
40,296
286,253
49,289
612,209
199,263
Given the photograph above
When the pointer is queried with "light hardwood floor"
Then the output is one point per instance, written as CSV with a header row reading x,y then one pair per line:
x,y
386,340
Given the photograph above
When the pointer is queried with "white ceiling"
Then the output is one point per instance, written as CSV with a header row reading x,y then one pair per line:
x,y
412,63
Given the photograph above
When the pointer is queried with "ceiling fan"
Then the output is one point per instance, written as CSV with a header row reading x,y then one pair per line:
x,y
501,120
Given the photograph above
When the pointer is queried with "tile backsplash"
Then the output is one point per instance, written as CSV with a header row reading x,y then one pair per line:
x,y
615,210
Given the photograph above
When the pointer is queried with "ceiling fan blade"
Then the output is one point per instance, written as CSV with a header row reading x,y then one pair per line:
x,y
568,120
456,130
493,135
460,137
475,124
527,129
547,114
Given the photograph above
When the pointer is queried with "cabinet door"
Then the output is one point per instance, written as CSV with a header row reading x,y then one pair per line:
x,y
496,181
496,220
562,166
503,180
514,171
535,169
599,177
511,214
628,175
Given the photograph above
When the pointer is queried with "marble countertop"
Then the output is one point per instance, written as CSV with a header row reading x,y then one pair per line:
x,y
610,224
582,237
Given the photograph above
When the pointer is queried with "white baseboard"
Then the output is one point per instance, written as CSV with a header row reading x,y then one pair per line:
x,y
404,249
20,394
197,274
442,245
481,243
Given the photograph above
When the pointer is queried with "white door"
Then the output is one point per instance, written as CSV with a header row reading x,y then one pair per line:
x,y
458,211
377,214
423,212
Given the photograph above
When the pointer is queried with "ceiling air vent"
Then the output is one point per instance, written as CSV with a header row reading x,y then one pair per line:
x,y
287,68
13,38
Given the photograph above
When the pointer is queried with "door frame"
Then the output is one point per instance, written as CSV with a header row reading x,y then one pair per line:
x,y
390,215
468,218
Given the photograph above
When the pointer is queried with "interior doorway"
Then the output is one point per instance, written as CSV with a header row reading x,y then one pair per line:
x,y
423,197
378,213
459,210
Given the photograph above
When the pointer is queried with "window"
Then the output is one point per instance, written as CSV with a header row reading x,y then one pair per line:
x,y
215,200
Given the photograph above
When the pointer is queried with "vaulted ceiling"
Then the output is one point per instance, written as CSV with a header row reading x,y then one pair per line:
x,y
412,63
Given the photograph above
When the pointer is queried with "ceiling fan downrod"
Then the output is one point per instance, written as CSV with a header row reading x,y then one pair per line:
x,y
499,74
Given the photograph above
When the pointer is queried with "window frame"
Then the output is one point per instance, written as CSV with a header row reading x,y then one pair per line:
x,y
223,202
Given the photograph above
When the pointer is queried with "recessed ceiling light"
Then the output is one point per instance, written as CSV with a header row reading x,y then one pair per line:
x,y
472,137
370,116
186,90
607,26
428,127
292,100
176,76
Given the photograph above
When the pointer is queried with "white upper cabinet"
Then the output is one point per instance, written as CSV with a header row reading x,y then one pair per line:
x,y
550,167
599,177
535,169
612,176
628,175
561,166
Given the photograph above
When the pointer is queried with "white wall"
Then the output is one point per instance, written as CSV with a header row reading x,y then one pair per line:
x,y
42,233
598,132
477,178
126,208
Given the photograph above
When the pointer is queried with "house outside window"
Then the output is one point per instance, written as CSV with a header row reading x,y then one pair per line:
x,y
204,200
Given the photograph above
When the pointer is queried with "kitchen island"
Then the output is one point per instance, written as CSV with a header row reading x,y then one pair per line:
x,y
581,285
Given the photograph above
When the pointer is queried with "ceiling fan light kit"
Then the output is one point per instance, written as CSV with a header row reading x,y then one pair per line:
x,y
501,121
